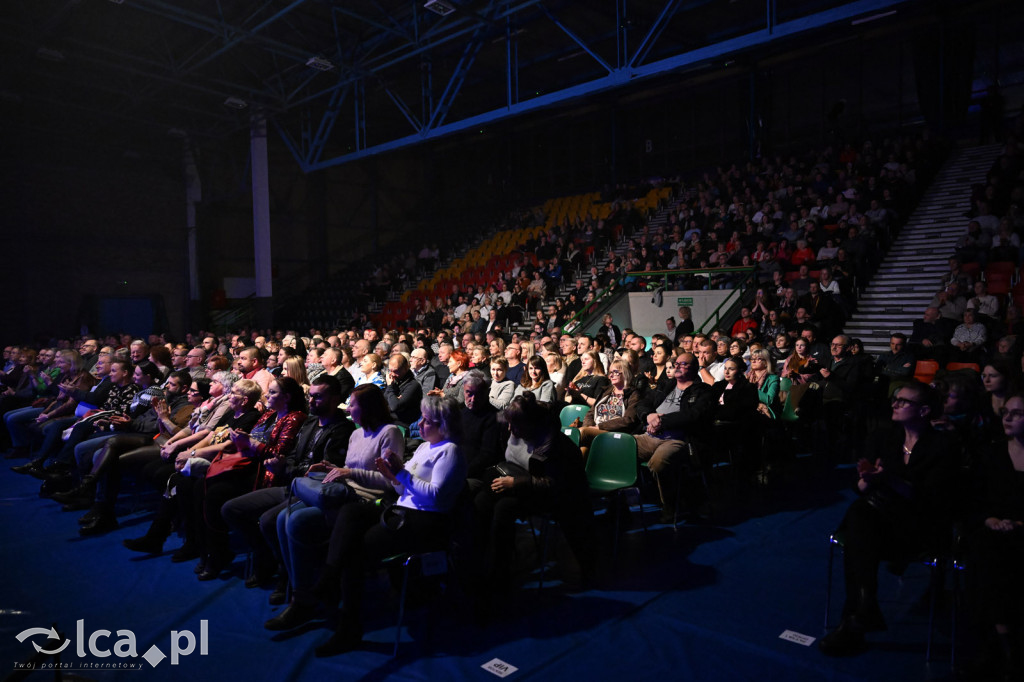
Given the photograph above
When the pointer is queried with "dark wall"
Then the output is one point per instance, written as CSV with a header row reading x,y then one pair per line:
x,y
76,225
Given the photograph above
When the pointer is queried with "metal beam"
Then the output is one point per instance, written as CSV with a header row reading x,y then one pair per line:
x,y
667,12
622,77
576,39
469,55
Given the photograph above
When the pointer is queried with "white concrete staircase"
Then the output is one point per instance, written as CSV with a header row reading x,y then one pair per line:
x,y
910,275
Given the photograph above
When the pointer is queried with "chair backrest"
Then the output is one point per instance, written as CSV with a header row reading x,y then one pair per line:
x,y
571,413
573,433
611,462
788,413
954,366
925,370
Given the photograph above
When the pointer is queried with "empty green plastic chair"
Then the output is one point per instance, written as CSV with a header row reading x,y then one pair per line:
x,y
571,413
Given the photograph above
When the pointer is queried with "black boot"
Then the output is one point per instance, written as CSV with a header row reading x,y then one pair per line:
x,y
29,467
328,587
86,491
280,594
105,521
293,616
845,640
347,637
153,541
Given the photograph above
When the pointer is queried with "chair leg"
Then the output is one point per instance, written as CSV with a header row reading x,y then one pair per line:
x,y
937,583
828,588
544,533
401,604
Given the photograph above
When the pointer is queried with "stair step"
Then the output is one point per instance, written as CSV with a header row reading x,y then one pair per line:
x,y
909,274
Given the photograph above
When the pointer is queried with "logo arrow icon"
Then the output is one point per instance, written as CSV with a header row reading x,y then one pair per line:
x,y
50,634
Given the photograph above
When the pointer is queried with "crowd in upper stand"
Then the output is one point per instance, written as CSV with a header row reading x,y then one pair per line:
x,y
327,451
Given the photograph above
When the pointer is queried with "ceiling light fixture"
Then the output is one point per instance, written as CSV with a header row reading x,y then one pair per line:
x,y
320,64
442,7
50,54
235,103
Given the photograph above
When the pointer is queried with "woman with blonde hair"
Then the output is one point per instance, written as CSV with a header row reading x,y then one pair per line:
x,y
587,386
762,376
616,407
294,368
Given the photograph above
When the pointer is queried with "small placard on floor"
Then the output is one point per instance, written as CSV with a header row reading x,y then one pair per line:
x,y
499,667
791,636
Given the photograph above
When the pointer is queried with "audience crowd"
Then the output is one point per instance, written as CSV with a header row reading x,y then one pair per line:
x,y
328,451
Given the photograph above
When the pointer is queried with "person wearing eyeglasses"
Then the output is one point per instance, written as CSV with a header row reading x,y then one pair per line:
x,y
905,485
678,417
616,408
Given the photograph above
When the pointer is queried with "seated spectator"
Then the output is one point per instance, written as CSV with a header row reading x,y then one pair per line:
x,y
516,362
802,255
772,327
781,349
422,371
20,423
502,389
483,439
745,322
332,360
903,509
370,367
616,408
537,380
827,253
678,418
974,245
587,386
168,414
169,473
735,397
542,472
998,545
898,363
662,377
930,337
1001,380
984,304
710,368
293,367
458,365
429,486
296,533
255,461
969,339
761,376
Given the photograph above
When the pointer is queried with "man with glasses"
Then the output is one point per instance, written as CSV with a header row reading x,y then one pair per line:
x,y
195,363
402,391
678,419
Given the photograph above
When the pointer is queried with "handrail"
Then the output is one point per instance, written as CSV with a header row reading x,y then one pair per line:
x,y
716,314
584,312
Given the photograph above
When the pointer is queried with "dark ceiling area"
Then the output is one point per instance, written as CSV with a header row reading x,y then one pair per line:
x,y
341,79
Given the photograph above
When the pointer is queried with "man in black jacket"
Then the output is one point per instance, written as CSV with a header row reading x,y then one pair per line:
x,y
402,391
678,419
323,438
422,371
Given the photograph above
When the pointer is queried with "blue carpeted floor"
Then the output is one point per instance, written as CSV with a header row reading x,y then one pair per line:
x,y
705,602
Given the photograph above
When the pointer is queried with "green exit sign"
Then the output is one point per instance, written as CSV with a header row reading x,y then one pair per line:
x,y
684,301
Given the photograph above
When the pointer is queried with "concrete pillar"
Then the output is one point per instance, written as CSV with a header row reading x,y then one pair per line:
x,y
263,304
